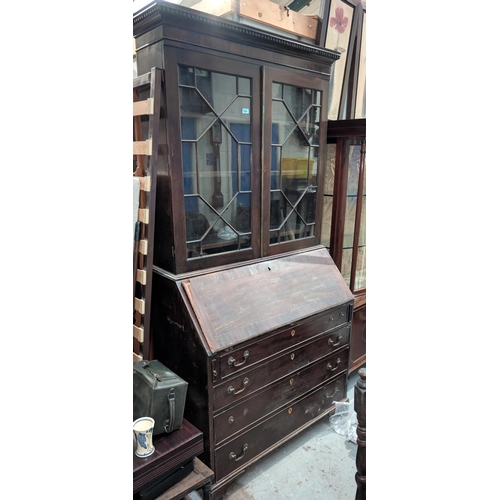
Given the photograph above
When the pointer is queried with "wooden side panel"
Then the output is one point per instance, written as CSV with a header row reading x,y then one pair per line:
x,y
358,339
177,346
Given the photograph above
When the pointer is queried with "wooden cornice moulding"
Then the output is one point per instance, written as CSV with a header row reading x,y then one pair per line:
x,y
169,15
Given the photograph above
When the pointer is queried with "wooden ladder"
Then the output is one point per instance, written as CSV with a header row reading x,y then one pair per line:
x,y
147,100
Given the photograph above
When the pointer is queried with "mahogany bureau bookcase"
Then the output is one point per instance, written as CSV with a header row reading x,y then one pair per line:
x,y
246,306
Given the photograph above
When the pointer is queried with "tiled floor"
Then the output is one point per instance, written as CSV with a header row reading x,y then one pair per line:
x,y
317,464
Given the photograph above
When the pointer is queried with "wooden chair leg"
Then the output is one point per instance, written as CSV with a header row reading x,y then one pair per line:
x,y
360,409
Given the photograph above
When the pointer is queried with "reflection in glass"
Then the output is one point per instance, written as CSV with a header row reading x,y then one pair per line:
x,y
216,160
296,119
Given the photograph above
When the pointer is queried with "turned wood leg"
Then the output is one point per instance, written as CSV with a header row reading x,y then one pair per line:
x,y
360,409
206,491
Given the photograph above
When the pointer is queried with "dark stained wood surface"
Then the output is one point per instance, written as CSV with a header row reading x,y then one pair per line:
x,y
238,304
360,409
171,450
262,404
282,424
293,336
358,339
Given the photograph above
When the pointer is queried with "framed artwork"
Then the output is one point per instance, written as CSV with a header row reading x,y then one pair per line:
x,y
339,26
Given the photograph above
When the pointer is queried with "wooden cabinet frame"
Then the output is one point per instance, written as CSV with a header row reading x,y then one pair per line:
x,y
167,35
345,133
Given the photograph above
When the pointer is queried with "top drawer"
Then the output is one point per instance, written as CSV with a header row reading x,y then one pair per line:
x,y
294,334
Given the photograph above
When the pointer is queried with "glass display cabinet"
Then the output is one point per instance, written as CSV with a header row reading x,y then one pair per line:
x,y
247,306
245,120
344,219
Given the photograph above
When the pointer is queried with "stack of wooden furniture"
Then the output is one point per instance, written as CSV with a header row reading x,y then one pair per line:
x,y
173,470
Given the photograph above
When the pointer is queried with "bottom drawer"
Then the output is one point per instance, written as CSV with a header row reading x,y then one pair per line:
x,y
252,443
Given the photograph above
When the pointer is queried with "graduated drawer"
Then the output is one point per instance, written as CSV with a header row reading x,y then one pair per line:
x,y
257,440
252,409
250,381
244,357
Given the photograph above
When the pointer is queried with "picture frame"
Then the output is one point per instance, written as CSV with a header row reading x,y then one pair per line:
x,y
339,24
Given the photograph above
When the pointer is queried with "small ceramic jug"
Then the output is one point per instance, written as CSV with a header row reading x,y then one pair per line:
x,y
143,432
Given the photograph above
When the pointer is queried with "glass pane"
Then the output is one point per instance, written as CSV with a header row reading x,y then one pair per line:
x,y
298,100
346,265
306,207
294,165
277,91
360,281
362,229
197,224
350,219
245,171
216,159
189,171
238,111
331,151
196,117
186,76
203,82
277,209
310,125
286,124
275,163
223,90
326,225
353,175
242,217
243,86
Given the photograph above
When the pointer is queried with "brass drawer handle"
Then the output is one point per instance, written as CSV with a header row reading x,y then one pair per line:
x,y
333,368
231,390
231,360
232,455
331,341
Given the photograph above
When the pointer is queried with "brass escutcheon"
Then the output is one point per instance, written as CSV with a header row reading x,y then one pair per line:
x,y
292,333
292,356
289,411
291,381
231,419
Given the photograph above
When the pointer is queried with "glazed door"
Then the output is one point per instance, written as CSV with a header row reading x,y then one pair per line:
x,y
294,129
216,213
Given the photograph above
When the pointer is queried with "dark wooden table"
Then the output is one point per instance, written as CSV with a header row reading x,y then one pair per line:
x,y
201,477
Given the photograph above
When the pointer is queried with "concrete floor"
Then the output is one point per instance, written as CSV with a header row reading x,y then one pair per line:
x,y
317,464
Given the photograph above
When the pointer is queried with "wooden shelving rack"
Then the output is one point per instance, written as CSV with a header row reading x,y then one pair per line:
x,y
146,117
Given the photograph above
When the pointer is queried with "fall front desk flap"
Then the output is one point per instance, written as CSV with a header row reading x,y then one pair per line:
x,y
238,304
